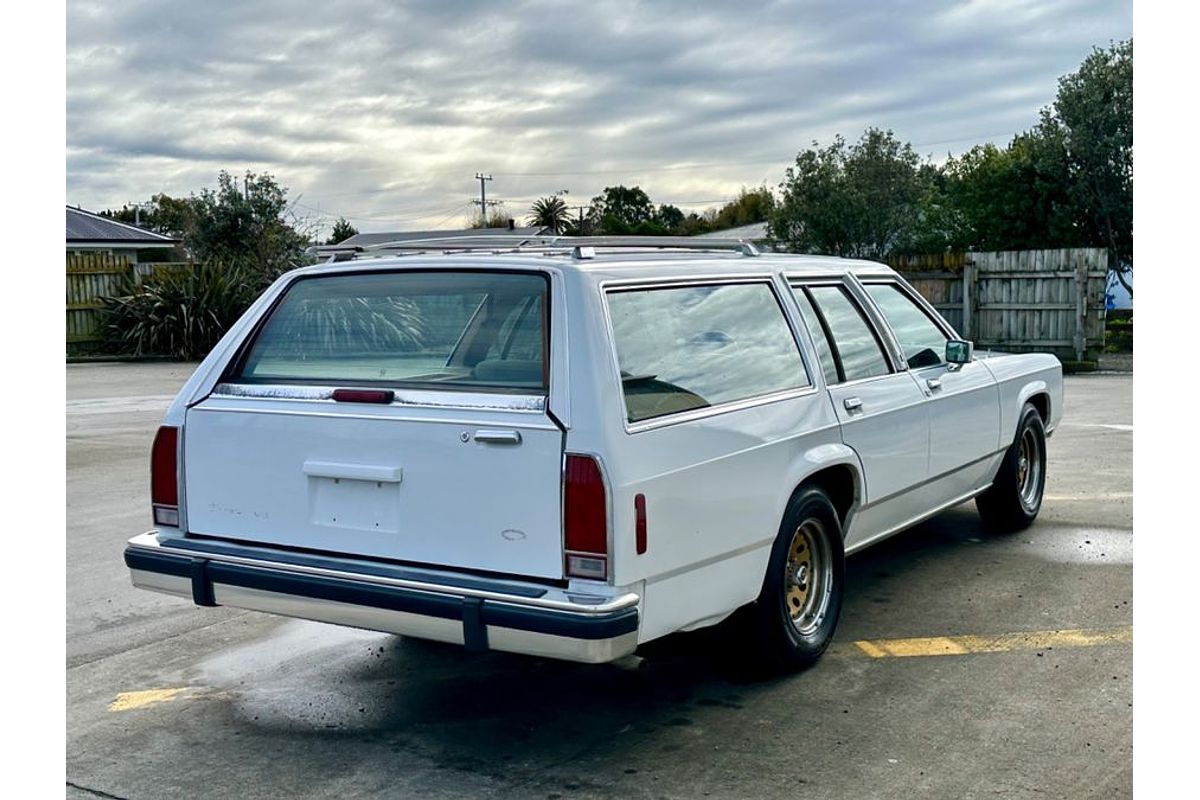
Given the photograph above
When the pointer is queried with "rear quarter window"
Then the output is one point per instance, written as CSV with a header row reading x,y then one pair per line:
x,y
480,330
690,347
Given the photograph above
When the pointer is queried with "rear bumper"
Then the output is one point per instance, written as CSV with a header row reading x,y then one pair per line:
x,y
479,613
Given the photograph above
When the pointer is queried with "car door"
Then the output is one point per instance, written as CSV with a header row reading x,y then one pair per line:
x,y
964,400
882,410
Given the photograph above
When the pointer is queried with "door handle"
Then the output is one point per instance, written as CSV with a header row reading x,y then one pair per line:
x,y
498,437
934,384
853,404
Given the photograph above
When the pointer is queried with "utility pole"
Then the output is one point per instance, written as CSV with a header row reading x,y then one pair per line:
x,y
581,209
137,213
481,177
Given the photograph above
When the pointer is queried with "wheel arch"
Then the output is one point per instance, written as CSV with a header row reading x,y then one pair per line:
x,y
1037,393
836,470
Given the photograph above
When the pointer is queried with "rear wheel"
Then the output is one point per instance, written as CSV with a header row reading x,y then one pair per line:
x,y
1013,500
801,598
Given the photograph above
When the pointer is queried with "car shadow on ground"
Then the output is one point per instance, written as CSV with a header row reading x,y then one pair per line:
x,y
482,705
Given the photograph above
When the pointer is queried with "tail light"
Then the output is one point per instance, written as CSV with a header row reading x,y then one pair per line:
x,y
164,477
585,519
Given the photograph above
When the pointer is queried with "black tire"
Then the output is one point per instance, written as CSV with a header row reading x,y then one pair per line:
x,y
1013,500
801,599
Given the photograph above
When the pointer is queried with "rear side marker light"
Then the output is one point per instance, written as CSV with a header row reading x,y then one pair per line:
x,y
639,512
381,396
164,476
585,519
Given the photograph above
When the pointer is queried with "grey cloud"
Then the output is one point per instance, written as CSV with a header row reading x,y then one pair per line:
x,y
387,109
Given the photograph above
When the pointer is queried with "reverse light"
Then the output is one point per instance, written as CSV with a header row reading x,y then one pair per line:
x,y
585,519
164,476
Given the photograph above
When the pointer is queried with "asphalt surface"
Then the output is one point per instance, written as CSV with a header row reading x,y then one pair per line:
x,y
966,665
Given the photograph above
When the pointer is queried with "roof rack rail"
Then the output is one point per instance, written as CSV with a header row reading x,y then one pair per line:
x,y
580,247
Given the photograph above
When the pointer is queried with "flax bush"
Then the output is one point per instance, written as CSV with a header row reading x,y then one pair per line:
x,y
180,312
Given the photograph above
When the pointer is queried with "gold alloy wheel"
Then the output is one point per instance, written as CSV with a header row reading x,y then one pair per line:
x,y
807,577
1029,468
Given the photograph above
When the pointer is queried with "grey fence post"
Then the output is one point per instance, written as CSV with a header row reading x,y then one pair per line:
x,y
1081,282
968,280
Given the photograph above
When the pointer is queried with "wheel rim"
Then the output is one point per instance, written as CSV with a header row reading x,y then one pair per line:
x,y
1029,469
808,577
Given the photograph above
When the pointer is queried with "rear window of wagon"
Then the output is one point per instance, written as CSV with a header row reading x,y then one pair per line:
x,y
480,330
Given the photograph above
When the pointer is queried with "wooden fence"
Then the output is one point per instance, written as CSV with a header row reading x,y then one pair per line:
x,y
90,276
1019,300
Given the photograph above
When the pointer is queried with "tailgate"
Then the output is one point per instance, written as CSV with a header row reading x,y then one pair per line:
x,y
474,489
395,413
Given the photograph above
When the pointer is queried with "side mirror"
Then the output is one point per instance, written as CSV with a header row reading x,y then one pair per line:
x,y
959,351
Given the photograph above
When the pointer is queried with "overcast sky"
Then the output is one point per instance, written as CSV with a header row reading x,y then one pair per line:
x,y
383,112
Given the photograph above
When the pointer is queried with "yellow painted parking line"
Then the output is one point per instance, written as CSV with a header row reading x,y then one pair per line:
x,y
1000,643
127,701
1094,496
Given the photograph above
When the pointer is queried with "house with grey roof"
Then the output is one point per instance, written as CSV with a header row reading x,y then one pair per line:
x,y
91,233
100,253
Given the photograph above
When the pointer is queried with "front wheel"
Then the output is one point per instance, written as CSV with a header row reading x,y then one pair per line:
x,y
1013,500
801,598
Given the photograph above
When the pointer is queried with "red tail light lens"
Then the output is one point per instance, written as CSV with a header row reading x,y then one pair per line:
x,y
164,476
639,514
585,519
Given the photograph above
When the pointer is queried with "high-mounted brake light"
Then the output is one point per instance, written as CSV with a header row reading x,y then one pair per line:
x,y
384,396
585,519
164,476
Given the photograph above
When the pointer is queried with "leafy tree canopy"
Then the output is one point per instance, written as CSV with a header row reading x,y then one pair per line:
x,y
342,230
550,212
856,200
622,210
247,223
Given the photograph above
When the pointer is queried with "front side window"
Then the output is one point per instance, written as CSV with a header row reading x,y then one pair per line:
x,y
855,348
923,342
689,347
484,330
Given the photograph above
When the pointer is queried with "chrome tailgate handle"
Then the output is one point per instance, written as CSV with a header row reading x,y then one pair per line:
x,y
853,404
498,437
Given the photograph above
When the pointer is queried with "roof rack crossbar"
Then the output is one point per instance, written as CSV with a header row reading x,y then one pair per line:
x,y
578,246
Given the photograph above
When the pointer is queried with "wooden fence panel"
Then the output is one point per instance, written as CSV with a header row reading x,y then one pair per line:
x,y
90,276
1020,300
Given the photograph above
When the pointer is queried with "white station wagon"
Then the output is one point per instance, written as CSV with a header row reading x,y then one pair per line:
x,y
568,448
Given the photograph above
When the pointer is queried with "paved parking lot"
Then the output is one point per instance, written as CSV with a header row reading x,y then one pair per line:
x,y
965,666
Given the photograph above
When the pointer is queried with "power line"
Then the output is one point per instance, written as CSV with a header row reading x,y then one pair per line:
x,y
626,170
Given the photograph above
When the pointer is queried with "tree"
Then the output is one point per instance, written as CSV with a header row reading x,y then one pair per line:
x,y
1010,199
249,225
550,212
1093,116
622,210
342,230
856,201
499,218
246,224
170,216
669,217
749,207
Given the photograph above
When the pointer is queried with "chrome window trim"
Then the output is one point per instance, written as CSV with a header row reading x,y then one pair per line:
x,y
629,284
883,335
415,398
712,411
906,289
